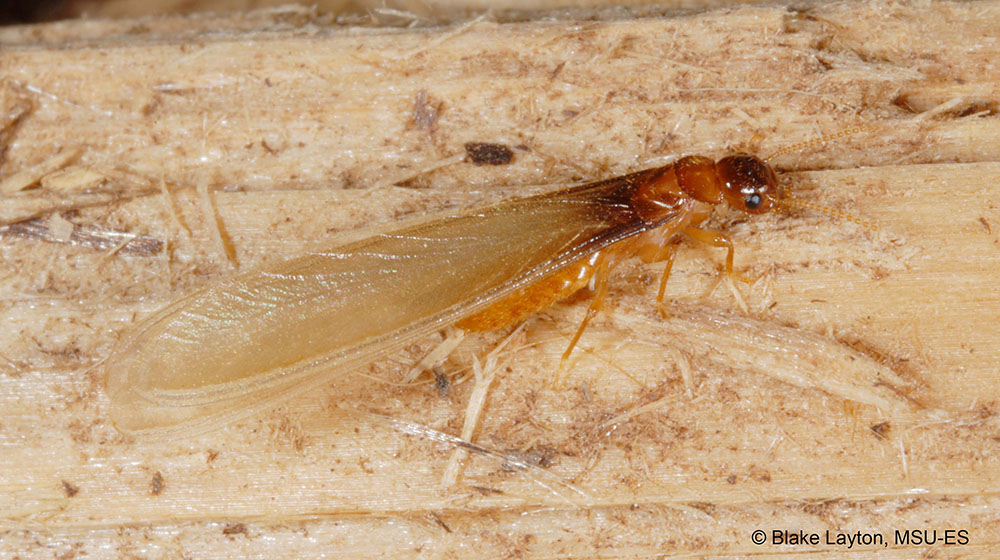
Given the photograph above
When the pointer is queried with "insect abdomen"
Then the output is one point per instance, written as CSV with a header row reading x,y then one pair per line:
x,y
526,301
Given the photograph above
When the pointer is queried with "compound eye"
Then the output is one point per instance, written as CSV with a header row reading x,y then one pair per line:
x,y
748,183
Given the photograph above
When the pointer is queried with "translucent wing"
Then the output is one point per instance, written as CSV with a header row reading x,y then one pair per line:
x,y
247,341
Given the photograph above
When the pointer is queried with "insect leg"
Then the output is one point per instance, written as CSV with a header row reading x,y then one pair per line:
x,y
601,272
716,239
668,256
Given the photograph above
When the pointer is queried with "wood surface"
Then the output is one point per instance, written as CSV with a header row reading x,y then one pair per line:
x,y
858,391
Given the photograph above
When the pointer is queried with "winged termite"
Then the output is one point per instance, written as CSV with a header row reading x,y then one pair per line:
x,y
250,340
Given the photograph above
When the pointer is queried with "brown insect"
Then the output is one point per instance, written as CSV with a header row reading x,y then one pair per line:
x,y
247,341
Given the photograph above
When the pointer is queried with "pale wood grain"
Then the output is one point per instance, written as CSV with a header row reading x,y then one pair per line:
x,y
298,129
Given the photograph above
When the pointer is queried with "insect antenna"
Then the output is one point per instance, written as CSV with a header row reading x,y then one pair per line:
x,y
802,146
788,203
